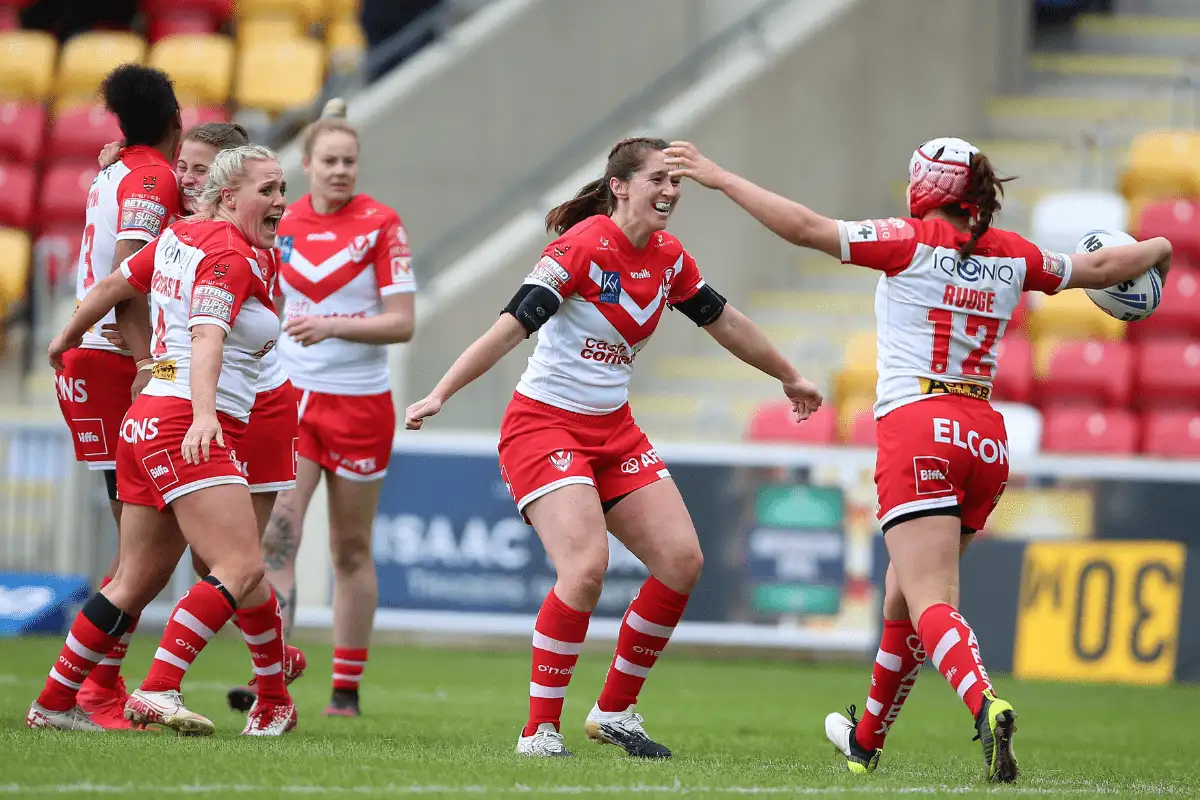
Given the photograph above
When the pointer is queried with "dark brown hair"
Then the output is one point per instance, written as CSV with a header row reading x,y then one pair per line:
x,y
332,119
221,135
624,159
984,190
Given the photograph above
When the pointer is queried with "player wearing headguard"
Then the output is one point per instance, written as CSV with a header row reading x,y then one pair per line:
x,y
573,457
949,285
348,287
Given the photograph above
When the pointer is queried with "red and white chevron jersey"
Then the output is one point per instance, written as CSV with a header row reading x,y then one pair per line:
x,y
613,296
204,272
272,374
340,265
938,317
135,198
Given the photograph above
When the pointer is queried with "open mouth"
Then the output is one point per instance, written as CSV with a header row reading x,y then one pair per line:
x,y
663,207
271,222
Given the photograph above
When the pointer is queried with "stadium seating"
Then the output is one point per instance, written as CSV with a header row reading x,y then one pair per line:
x,y
56,253
1061,218
16,195
856,424
1014,372
857,377
197,115
1024,426
22,128
1177,220
1090,373
340,9
1172,434
305,11
219,11
27,64
277,76
14,267
774,422
64,193
269,28
201,67
345,44
1167,375
1178,317
1070,315
1162,164
181,23
1089,431
79,133
88,57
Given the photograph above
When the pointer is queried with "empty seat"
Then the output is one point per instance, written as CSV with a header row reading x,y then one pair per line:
x,y
1178,316
201,67
1167,375
218,10
16,195
1084,430
22,128
64,193
88,57
1171,434
1070,315
198,115
775,422
276,76
27,64
1177,220
1014,370
56,254
180,23
14,267
857,377
268,28
345,43
1097,373
1061,218
856,424
78,133
341,9
1162,164
305,11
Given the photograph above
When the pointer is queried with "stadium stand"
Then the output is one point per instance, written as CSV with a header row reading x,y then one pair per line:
x,y
1092,431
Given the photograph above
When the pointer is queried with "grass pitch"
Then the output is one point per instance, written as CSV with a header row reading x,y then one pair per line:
x,y
444,722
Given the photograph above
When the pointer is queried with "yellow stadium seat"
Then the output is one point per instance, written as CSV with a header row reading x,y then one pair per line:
x,y
277,76
848,410
345,43
26,64
860,350
305,11
1070,315
1163,164
341,9
200,66
87,59
14,266
858,376
271,27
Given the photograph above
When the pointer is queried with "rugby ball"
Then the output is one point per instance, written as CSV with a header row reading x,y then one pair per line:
x,y
1129,301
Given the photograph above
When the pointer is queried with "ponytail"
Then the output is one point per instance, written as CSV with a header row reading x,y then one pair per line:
x,y
982,197
596,197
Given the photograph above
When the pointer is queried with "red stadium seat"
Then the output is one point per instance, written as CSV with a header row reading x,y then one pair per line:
x,y
1178,317
1088,430
1177,220
9,19
56,253
862,428
1167,375
774,422
79,133
198,115
17,186
22,128
180,23
1014,370
219,10
64,193
1092,373
1171,434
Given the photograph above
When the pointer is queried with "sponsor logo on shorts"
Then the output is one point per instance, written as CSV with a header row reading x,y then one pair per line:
x,y
362,466
561,459
161,470
631,466
139,430
71,390
987,450
647,459
932,475
295,456
241,466
90,435
507,482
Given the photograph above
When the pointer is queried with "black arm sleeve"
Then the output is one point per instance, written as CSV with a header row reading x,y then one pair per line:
x,y
532,305
703,307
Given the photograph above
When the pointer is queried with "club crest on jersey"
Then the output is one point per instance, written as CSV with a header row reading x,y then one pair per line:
x,y
561,459
610,287
284,243
149,182
358,248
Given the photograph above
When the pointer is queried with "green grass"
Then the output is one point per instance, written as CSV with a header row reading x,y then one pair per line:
x,y
444,723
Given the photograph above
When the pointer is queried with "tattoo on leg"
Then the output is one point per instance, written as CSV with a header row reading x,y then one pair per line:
x,y
280,543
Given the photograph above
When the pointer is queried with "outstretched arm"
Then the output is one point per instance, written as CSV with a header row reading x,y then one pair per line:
x,y
1109,266
102,298
785,218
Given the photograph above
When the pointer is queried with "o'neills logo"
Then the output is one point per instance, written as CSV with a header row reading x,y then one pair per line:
x,y
605,353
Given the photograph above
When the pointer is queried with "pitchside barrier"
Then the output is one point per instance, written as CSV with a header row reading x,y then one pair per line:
x,y
1083,573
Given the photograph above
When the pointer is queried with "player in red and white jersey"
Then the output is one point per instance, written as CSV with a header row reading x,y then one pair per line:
x,y
949,285
570,452
348,287
129,203
214,320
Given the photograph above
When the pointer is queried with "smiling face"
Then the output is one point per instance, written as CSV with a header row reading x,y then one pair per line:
x,y
191,168
333,167
646,200
257,202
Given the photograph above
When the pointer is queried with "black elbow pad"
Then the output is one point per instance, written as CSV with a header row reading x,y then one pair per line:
x,y
532,305
703,307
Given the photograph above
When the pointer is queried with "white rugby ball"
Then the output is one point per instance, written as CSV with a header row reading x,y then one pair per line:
x,y
1129,301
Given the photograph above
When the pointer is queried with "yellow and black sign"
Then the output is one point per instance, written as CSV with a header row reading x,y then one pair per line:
x,y
1104,611
164,370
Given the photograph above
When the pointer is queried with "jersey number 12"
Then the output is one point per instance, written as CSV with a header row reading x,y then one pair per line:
x,y
987,328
